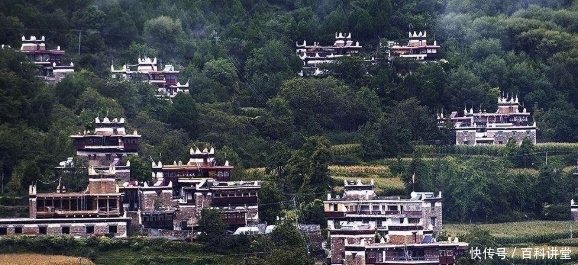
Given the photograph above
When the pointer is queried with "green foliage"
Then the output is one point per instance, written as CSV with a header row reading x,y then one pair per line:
x,y
183,113
140,169
270,202
308,168
212,229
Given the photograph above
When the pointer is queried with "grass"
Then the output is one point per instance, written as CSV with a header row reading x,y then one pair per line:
x,y
512,229
39,259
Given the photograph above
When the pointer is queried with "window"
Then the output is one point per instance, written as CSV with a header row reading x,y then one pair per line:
x,y
433,205
433,221
90,229
3,231
66,230
42,230
112,229
413,220
17,230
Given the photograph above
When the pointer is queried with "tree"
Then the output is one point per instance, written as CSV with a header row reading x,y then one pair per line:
x,y
140,169
308,167
223,74
212,229
164,31
267,67
320,105
312,213
183,113
270,202
91,104
407,123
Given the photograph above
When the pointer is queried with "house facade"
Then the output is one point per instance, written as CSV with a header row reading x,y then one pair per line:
x,y
510,121
108,145
182,190
50,63
147,70
314,55
97,211
416,48
368,229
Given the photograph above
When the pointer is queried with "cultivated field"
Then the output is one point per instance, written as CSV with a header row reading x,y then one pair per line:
x,y
39,259
530,228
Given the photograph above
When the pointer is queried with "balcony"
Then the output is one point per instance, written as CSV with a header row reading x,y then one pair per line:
x,y
334,214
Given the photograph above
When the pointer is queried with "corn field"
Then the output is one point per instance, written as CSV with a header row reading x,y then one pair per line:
x,y
383,186
536,232
496,150
346,149
39,259
360,171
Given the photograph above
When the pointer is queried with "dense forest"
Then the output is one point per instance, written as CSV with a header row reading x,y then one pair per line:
x,y
247,101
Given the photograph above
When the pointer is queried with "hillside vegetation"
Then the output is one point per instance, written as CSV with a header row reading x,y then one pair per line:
x,y
247,101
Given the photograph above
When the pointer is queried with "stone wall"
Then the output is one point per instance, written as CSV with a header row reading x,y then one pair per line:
x,y
76,229
157,199
337,254
436,212
355,260
101,186
190,214
202,201
404,239
32,208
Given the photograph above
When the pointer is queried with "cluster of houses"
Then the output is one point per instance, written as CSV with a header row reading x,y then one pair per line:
x,y
113,203
52,69
471,127
363,228
315,56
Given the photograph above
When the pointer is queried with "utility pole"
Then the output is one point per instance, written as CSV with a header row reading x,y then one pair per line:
x,y
79,38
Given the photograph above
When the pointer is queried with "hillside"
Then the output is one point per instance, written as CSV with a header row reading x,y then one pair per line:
x,y
246,99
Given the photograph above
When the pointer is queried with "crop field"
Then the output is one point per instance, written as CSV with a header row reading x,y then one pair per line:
x,y
360,171
39,259
530,228
383,186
